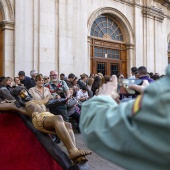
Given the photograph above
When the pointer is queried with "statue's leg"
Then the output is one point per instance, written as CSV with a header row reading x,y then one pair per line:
x,y
70,131
57,122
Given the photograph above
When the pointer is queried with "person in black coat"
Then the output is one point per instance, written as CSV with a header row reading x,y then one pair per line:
x,y
26,81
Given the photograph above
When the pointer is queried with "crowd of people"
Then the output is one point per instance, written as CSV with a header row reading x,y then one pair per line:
x,y
76,90
133,134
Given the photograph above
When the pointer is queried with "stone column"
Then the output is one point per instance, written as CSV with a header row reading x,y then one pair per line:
x,y
138,29
151,15
8,38
130,58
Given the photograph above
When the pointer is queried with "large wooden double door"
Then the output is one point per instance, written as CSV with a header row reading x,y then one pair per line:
x,y
108,58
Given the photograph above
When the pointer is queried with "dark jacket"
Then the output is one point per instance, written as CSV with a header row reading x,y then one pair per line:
x,y
147,78
27,82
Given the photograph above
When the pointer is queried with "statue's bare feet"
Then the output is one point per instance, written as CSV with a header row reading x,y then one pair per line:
x,y
81,159
76,153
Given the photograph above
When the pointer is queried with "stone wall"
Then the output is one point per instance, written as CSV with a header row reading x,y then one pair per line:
x,y
54,34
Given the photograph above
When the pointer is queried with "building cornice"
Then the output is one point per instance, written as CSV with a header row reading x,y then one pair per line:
x,y
153,13
165,3
7,25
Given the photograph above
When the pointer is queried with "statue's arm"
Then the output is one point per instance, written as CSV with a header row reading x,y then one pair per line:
x,y
12,107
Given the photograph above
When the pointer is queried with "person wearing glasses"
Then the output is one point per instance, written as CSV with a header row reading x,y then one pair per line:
x,y
46,80
59,89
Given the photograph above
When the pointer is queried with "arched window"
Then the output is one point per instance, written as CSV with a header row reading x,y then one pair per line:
x,y
107,49
105,27
169,46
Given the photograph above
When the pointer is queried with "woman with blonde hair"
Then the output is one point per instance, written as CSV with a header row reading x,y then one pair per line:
x,y
6,90
7,83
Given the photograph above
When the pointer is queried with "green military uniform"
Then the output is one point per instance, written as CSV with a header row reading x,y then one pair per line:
x,y
134,134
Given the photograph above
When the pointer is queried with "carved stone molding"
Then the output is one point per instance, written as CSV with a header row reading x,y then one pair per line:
x,y
7,10
7,25
165,3
153,13
130,46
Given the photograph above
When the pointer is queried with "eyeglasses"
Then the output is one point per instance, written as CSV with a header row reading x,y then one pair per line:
x,y
46,78
54,75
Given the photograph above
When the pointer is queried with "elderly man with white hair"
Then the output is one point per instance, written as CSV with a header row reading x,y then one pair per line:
x,y
33,74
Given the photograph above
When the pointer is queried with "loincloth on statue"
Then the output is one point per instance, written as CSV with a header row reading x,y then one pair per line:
x,y
38,121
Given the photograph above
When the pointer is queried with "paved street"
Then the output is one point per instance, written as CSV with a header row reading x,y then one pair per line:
x,y
95,162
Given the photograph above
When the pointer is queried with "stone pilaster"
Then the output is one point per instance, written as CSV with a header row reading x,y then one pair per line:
x,y
8,51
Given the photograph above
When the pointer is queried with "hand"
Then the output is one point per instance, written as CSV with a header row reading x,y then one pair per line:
x,y
110,88
58,97
139,88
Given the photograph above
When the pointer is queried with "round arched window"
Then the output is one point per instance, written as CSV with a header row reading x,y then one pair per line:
x,y
108,49
107,28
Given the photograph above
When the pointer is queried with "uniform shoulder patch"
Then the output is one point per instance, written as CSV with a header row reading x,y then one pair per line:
x,y
137,105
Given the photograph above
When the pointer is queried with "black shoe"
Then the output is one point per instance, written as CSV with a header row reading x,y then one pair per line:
x,y
78,130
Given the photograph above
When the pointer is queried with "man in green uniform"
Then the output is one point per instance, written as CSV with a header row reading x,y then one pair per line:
x,y
134,134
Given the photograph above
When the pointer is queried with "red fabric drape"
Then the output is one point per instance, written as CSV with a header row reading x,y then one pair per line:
x,y
19,148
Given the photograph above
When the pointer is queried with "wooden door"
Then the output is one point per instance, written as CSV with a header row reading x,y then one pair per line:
x,y
108,58
101,67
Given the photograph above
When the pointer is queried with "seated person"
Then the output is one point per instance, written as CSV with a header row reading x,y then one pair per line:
x,y
75,87
47,122
82,95
72,108
39,92
5,90
58,87
17,82
25,80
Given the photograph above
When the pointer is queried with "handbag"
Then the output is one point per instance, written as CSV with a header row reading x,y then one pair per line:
x,y
71,102
56,102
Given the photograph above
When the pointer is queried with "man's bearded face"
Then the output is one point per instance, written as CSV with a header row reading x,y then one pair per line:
x,y
24,95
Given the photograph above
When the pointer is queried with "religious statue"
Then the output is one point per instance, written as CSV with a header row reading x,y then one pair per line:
x,y
47,122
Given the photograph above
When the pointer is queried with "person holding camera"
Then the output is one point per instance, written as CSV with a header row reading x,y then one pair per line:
x,y
134,134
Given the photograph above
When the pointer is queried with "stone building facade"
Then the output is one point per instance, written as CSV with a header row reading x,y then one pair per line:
x,y
78,36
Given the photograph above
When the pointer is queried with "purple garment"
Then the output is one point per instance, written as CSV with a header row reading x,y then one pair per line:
x,y
147,78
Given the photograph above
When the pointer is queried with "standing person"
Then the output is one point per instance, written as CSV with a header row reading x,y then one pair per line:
x,y
25,80
133,71
134,134
143,74
96,84
82,82
58,88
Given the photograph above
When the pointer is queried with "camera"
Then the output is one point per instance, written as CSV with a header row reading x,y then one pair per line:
x,y
123,85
